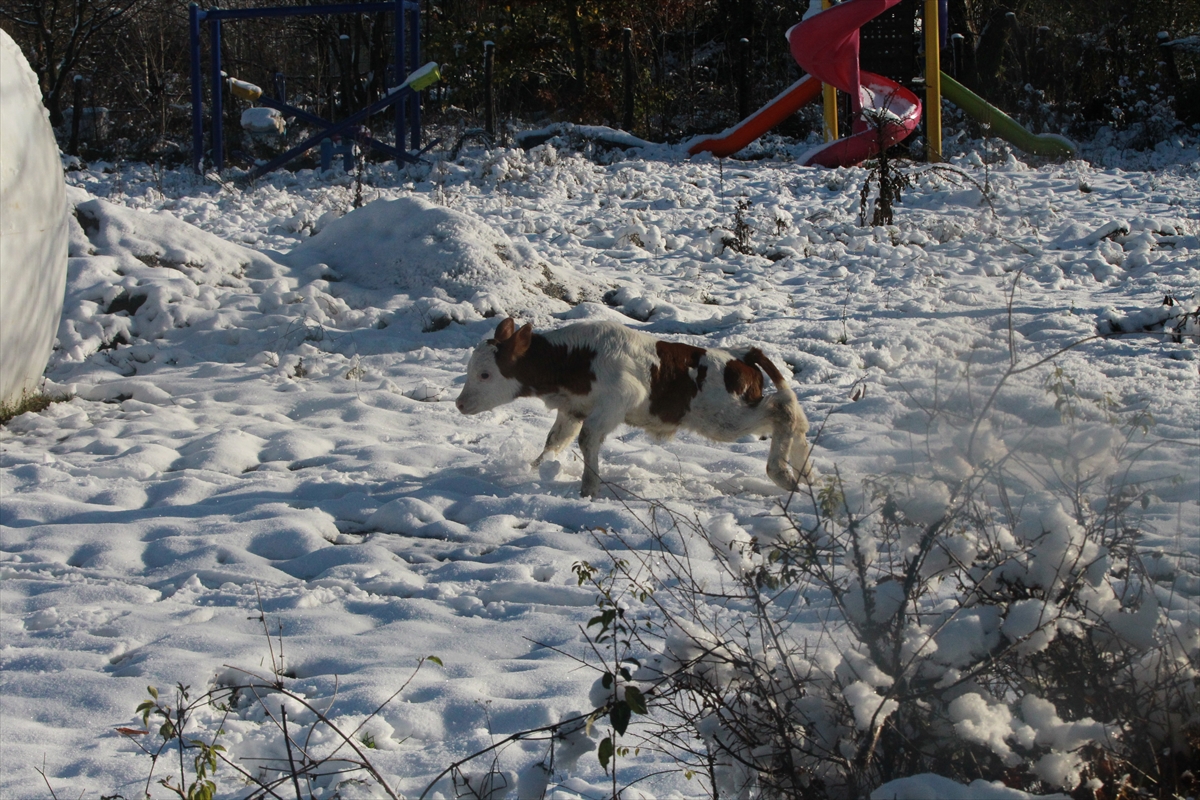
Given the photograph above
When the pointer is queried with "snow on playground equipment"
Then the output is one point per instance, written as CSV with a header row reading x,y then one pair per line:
x,y
826,46
406,50
33,227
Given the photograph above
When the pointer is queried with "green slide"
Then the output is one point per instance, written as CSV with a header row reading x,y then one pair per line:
x,y
1004,126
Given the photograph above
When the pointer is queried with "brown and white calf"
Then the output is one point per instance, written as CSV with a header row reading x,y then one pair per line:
x,y
597,375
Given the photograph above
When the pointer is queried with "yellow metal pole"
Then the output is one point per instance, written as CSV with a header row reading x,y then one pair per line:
x,y
933,82
830,95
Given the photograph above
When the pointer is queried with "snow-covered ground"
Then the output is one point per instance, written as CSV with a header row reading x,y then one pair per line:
x,y
261,413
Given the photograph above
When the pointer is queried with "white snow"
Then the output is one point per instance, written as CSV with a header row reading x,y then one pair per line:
x,y
935,787
33,227
260,376
411,253
263,120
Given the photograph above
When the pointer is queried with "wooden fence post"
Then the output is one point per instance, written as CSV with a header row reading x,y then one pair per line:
x,y
743,78
345,57
76,114
627,52
489,110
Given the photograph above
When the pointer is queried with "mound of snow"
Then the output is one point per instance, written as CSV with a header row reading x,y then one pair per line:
x,y
33,227
159,239
461,268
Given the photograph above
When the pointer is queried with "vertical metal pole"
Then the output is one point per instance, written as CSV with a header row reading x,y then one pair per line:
x,y
401,74
197,94
218,144
830,97
933,82
414,61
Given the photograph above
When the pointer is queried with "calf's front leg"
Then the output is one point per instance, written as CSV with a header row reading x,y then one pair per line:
x,y
565,428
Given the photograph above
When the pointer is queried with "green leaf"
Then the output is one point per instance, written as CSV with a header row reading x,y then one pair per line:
x,y
635,699
603,619
153,692
619,716
605,753
607,680
435,660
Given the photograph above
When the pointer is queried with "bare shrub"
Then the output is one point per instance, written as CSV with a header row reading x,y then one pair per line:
x,y
982,613
306,746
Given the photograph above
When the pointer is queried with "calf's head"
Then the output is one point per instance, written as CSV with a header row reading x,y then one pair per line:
x,y
490,372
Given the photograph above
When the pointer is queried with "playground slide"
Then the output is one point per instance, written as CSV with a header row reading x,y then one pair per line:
x,y
826,46
1004,126
898,111
788,102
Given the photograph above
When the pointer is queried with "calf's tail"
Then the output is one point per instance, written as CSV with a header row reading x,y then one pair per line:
x,y
788,463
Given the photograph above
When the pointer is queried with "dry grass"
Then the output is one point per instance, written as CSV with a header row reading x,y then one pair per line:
x,y
34,401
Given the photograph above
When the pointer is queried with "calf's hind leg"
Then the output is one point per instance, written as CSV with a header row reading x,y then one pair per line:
x,y
566,427
788,460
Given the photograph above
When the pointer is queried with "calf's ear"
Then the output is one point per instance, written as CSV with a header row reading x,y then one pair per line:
x,y
522,339
505,330
515,346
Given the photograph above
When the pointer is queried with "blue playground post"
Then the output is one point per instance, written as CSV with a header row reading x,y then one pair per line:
x,y
414,61
329,150
214,46
197,98
398,51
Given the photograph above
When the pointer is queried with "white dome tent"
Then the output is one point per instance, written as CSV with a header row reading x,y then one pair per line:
x,y
33,228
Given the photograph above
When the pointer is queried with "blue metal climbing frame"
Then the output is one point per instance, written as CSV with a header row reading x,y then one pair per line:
x,y
406,60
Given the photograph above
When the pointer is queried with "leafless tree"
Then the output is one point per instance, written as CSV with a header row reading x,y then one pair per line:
x,y
58,33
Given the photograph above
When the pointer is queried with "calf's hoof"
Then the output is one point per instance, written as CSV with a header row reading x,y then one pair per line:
x,y
791,479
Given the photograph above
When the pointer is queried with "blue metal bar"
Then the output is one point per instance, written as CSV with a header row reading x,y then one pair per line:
x,y
197,91
379,105
313,119
407,102
303,11
218,138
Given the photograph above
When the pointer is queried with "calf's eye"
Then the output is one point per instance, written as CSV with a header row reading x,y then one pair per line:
x,y
483,376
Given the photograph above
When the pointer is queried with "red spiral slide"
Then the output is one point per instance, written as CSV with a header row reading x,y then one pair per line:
x,y
826,46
